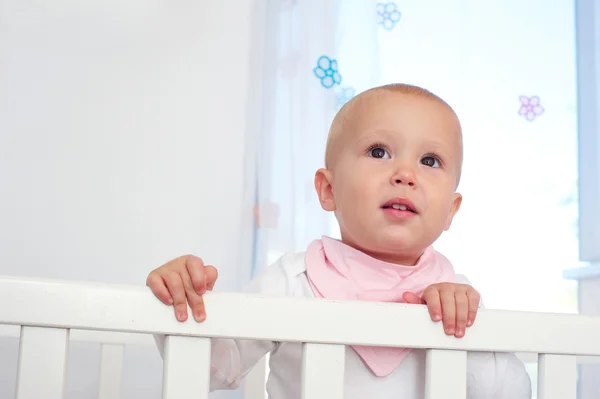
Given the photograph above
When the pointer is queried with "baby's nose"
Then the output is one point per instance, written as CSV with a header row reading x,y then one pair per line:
x,y
405,181
404,176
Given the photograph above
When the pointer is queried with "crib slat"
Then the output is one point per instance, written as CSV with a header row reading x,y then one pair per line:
x,y
323,371
446,374
186,367
42,363
111,371
557,377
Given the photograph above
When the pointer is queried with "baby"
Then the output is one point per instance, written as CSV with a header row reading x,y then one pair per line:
x,y
393,163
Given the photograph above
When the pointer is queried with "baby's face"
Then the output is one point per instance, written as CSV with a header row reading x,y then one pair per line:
x,y
394,174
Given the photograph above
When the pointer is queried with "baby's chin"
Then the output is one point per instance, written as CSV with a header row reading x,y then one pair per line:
x,y
387,246
400,245
407,237
388,240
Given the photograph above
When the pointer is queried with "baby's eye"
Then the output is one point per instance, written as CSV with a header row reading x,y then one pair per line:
x,y
431,161
378,152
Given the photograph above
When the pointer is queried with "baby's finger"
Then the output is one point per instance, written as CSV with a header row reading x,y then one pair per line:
x,y
195,268
412,298
448,311
159,289
175,286
462,311
431,296
473,306
196,301
212,275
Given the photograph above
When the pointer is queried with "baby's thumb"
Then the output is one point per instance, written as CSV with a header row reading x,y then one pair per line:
x,y
412,298
211,274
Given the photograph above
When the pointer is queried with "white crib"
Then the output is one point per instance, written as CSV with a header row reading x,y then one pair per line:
x,y
48,310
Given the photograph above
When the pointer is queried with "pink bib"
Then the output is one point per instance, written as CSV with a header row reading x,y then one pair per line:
x,y
339,272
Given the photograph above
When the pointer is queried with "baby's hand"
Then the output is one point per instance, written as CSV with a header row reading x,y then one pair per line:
x,y
455,304
181,278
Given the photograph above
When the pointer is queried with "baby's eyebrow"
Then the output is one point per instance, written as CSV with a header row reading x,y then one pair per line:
x,y
374,135
435,146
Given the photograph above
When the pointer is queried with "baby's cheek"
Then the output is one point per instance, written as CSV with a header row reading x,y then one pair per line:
x,y
437,223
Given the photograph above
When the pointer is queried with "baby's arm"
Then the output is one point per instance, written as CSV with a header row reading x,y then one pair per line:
x,y
497,376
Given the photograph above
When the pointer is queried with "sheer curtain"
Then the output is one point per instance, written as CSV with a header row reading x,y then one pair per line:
x,y
510,74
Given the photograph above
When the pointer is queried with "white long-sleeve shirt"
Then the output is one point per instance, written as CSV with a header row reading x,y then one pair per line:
x,y
489,375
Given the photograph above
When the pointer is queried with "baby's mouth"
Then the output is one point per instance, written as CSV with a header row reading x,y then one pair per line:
x,y
400,204
399,207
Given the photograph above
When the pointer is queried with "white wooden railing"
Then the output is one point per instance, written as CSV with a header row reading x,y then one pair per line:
x,y
47,310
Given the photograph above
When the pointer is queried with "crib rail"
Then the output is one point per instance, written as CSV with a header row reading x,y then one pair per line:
x,y
112,351
46,310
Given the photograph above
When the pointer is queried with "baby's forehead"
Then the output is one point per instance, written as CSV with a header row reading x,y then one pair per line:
x,y
383,114
388,103
397,116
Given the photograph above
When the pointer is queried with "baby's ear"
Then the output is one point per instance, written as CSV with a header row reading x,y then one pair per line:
x,y
325,190
454,207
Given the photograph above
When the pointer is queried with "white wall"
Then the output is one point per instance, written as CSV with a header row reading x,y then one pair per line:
x,y
122,138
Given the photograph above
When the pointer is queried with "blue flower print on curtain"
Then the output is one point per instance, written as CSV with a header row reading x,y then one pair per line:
x,y
388,15
327,71
344,95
